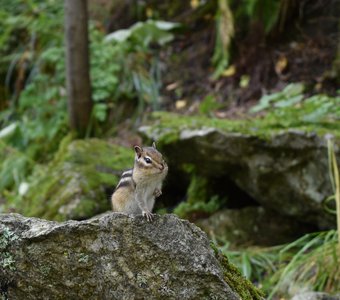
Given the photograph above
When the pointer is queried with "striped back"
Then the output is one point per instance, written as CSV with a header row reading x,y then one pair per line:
x,y
126,180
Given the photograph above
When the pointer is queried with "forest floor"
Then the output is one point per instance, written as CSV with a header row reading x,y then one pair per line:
x,y
304,52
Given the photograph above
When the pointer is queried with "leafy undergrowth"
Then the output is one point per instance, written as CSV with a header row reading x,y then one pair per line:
x,y
319,114
309,263
74,185
234,278
123,69
289,108
285,110
197,203
33,119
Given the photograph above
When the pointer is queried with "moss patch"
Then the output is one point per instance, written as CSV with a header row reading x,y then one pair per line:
x,y
234,278
198,202
166,127
77,183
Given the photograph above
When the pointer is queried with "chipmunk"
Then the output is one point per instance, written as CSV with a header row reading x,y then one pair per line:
x,y
138,187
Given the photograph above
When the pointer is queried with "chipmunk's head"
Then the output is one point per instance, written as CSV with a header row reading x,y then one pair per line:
x,y
150,161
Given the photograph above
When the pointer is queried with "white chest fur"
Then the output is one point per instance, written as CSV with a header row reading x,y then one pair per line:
x,y
145,191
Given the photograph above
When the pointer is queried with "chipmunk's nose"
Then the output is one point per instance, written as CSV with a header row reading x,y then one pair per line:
x,y
162,166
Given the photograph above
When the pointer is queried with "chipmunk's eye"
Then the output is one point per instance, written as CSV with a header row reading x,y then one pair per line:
x,y
147,160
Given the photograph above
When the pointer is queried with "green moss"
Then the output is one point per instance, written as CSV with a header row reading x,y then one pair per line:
x,y
173,123
234,278
198,199
188,210
75,184
197,190
167,126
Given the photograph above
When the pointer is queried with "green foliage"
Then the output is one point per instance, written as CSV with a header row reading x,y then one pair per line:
x,y
256,264
208,105
310,262
243,15
119,69
32,42
106,65
264,11
198,200
147,85
314,265
186,209
14,167
320,109
288,108
140,75
197,190
28,25
42,105
234,278
78,179
335,180
289,96
142,34
13,171
224,34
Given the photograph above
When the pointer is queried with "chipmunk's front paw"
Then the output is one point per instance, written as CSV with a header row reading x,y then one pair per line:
x,y
148,215
157,193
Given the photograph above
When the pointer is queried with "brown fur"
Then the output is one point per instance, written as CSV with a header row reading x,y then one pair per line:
x,y
137,189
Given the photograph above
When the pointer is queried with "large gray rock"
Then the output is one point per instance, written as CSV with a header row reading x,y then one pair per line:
x,y
113,256
286,171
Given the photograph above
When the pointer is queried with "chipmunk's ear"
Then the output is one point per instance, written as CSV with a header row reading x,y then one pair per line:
x,y
138,151
154,145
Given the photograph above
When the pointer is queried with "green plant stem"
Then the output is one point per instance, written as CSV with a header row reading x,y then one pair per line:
x,y
335,176
337,197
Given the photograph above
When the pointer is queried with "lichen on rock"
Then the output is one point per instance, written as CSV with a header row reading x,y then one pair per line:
x,y
115,256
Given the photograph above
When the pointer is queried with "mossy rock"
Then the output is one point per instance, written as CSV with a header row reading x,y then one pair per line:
x,y
282,169
245,289
131,258
77,183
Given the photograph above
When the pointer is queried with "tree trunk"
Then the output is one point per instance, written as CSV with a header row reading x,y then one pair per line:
x,y
77,65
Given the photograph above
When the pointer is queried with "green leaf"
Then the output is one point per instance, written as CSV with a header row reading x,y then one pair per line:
x,y
246,265
289,101
119,36
100,111
264,102
289,96
293,89
163,25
